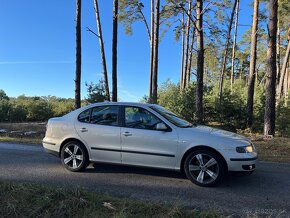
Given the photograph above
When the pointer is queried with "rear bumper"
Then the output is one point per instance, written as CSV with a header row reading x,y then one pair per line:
x,y
50,147
54,153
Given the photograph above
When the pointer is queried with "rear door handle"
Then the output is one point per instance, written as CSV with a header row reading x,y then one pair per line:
x,y
84,130
127,134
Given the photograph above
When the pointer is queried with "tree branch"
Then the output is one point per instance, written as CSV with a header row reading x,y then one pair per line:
x,y
174,21
186,12
207,6
145,22
89,30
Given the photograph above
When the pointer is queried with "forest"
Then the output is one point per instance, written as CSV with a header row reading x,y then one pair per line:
x,y
240,85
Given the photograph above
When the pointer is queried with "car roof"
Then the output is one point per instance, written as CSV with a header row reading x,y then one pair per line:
x,y
120,103
79,110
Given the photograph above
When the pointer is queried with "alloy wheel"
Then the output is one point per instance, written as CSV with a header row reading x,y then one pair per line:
x,y
73,156
204,167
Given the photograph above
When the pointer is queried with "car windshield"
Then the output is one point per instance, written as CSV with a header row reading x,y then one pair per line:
x,y
171,117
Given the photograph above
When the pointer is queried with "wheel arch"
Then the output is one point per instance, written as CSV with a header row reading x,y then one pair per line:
x,y
201,147
69,140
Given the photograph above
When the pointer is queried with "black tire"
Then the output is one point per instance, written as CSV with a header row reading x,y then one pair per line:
x,y
74,156
204,168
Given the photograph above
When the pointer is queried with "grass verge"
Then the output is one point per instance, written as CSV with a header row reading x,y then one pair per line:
x,y
29,133
38,127
275,149
20,140
31,200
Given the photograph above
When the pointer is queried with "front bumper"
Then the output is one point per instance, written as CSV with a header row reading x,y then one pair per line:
x,y
246,164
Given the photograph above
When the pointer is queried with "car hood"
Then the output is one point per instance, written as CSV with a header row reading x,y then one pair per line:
x,y
215,135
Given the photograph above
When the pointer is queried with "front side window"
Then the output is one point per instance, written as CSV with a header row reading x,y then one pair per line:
x,y
105,115
140,118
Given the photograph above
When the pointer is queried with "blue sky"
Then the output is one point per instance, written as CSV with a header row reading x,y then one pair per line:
x,y
37,49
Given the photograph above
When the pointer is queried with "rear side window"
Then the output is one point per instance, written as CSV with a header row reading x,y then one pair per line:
x,y
103,115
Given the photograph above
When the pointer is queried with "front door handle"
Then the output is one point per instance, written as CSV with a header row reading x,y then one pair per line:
x,y
84,129
127,134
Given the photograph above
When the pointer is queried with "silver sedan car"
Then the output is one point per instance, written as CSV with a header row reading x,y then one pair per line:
x,y
147,135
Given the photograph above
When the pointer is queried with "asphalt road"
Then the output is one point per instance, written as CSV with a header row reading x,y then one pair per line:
x,y
265,193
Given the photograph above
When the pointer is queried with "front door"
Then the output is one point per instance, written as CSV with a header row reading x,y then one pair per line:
x,y
99,128
142,144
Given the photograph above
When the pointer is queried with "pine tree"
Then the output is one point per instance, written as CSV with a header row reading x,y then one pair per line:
x,y
78,55
269,118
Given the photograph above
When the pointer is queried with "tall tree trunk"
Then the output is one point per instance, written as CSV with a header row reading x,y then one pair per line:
x,y
156,47
200,61
188,74
152,24
205,74
285,87
182,53
269,118
220,93
241,71
251,79
278,54
283,71
234,46
288,80
114,51
256,76
187,33
102,49
78,55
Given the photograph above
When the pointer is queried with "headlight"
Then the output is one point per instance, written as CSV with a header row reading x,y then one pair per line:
x,y
245,149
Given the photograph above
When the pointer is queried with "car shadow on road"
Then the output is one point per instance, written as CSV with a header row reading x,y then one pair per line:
x,y
231,180
124,169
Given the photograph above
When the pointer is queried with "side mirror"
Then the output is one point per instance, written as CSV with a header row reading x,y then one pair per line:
x,y
161,126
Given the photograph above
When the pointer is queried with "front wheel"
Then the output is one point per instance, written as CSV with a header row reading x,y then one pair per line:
x,y
204,168
74,156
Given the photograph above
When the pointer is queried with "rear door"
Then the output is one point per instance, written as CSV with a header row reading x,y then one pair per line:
x,y
99,128
142,144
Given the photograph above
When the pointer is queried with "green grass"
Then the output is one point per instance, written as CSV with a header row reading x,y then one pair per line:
x,y
32,126
15,132
20,140
275,149
31,200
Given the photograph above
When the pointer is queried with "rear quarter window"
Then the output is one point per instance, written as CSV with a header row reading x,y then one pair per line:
x,y
84,117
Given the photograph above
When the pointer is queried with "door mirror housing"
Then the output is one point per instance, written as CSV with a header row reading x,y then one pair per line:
x,y
161,127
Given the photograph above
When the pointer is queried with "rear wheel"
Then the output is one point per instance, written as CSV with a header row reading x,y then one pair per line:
x,y
74,156
204,168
